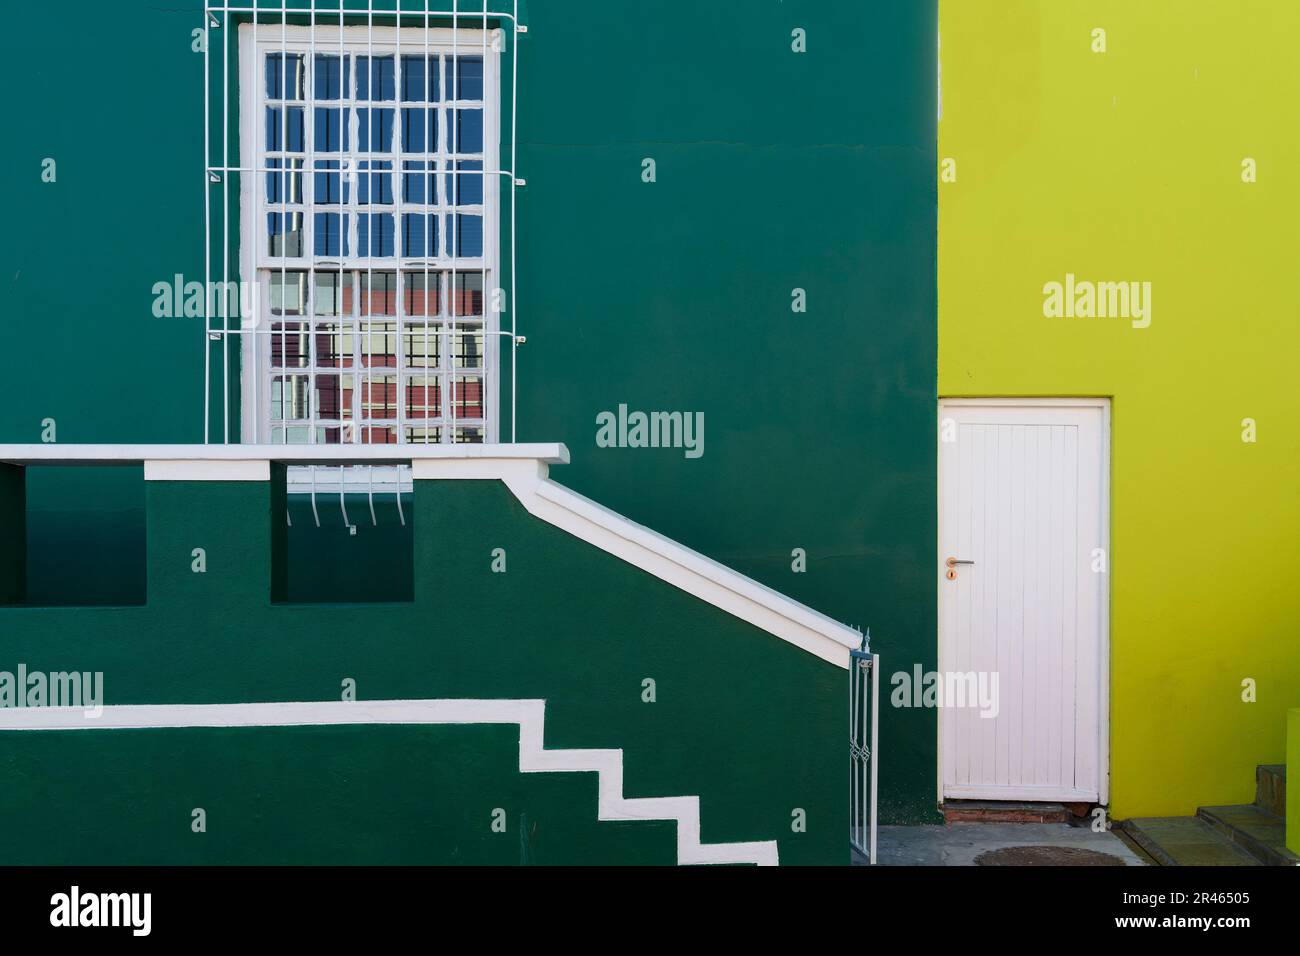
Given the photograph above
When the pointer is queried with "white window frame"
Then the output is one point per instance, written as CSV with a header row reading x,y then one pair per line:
x,y
256,265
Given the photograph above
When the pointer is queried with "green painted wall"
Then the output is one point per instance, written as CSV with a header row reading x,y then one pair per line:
x,y
775,171
750,723
306,795
326,562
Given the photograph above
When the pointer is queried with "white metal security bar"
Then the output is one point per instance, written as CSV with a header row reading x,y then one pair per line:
x,y
434,375
312,373
864,724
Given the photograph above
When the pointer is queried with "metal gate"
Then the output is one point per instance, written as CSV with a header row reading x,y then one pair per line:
x,y
864,714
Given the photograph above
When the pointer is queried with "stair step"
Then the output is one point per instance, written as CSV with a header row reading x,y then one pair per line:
x,y
1260,833
998,811
1186,841
1270,788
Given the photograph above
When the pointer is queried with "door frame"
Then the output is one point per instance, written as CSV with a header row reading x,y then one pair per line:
x,y
1103,610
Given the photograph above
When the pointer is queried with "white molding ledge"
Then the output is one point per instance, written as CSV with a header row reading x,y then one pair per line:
x,y
56,454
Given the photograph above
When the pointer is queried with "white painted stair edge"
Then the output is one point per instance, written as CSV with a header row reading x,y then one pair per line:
x,y
692,572
530,715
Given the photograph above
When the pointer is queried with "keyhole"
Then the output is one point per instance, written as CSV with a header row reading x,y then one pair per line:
x,y
952,574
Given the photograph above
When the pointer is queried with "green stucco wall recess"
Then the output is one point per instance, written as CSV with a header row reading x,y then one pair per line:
x,y
626,676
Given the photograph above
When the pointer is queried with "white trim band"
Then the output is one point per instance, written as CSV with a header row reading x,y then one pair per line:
x,y
258,470
55,454
530,715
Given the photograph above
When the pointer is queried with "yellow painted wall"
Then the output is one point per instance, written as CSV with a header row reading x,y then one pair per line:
x,y
1127,165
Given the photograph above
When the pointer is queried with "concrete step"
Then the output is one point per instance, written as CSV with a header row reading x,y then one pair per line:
x,y
1260,833
1000,811
1270,788
1186,841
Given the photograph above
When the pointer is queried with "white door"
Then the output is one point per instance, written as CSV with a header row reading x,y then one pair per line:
x,y
1022,627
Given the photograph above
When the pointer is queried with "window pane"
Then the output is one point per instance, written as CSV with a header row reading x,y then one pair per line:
x,y
288,293
414,71
423,397
467,396
375,235
279,137
284,76
467,135
289,398
419,130
326,185
289,345
419,187
285,232
467,348
375,130
334,397
379,345
423,435
414,300
327,85
285,186
376,435
292,435
378,293
329,237
467,83
326,301
375,187
331,129
375,78
468,236
467,435
423,346
464,188
419,235
334,345
378,396
469,293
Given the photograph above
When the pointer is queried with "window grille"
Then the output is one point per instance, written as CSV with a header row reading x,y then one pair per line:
x,y
365,209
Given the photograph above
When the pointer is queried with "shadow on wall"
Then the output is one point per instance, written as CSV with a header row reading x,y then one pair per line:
x,y
85,551
91,552
367,559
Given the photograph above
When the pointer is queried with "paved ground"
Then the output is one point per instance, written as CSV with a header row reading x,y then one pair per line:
x,y
1190,841
960,843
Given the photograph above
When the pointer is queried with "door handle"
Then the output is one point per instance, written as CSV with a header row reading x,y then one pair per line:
x,y
953,562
